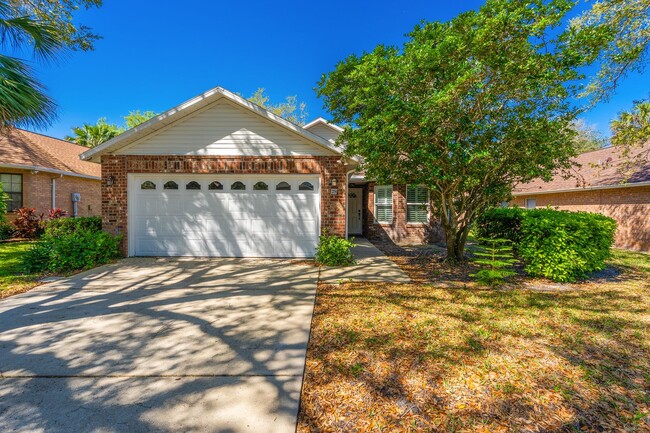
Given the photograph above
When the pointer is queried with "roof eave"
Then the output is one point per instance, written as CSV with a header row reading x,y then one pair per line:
x,y
190,106
49,170
586,188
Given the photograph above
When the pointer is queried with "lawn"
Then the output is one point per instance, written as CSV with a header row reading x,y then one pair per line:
x,y
422,357
12,280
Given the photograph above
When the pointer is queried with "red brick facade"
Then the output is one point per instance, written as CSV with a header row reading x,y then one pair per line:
x,y
37,192
630,207
114,198
399,231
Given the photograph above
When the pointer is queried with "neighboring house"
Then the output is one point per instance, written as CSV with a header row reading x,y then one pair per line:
x,y
42,172
220,176
606,182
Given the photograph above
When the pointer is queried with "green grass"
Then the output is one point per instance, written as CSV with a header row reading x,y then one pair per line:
x,y
12,279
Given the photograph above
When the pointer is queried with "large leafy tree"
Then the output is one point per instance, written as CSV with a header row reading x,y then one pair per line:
x,y
615,35
44,29
469,108
587,137
631,131
292,110
136,117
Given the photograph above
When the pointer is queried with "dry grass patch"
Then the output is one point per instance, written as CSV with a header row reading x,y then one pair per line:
x,y
422,358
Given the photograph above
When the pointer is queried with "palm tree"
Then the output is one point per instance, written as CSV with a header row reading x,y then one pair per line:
x,y
93,135
22,98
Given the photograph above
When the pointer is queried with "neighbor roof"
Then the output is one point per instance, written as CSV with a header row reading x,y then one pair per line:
x,y
31,151
599,169
191,106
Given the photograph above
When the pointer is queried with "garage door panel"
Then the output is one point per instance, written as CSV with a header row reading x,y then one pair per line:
x,y
223,223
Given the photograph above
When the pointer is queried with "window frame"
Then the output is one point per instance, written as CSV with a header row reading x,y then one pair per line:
x,y
21,193
389,204
534,199
426,203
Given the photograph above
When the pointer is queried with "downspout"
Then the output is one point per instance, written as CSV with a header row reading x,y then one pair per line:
x,y
347,196
54,190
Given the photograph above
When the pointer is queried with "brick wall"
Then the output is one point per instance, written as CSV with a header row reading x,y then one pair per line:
x,y
399,231
114,198
37,192
630,207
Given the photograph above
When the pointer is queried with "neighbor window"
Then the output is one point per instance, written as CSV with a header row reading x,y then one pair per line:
x,y
170,185
384,204
531,203
417,204
12,185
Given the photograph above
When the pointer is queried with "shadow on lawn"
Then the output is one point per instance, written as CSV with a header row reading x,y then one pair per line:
x,y
563,362
149,355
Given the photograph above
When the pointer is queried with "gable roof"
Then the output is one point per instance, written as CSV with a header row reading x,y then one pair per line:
x,y
322,121
191,106
599,169
31,151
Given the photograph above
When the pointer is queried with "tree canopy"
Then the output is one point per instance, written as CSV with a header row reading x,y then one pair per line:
x,y
587,137
45,29
90,135
291,109
469,107
615,35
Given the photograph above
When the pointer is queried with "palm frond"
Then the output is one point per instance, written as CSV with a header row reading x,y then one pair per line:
x,y
23,102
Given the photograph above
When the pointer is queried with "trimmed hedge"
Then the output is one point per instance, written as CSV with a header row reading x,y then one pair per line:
x,y
70,244
559,245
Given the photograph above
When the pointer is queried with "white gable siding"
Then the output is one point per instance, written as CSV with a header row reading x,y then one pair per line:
x,y
224,130
324,131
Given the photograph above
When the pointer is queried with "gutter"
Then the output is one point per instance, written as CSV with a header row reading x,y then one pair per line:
x,y
590,188
49,170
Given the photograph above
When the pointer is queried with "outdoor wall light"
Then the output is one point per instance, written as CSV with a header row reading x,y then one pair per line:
x,y
110,180
333,182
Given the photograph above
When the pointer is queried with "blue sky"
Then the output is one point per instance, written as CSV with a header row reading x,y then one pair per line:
x,y
155,54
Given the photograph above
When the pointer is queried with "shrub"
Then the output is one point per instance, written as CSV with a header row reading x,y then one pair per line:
x,y
28,223
63,226
559,245
497,258
70,244
56,214
334,251
6,229
500,223
3,203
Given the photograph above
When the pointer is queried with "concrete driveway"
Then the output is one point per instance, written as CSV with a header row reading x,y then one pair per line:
x,y
164,345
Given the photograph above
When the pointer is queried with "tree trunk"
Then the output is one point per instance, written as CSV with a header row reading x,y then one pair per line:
x,y
456,238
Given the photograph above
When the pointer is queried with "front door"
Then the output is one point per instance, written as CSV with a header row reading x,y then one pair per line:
x,y
355,211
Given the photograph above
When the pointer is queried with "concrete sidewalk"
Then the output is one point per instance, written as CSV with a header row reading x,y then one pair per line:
x,y
371,266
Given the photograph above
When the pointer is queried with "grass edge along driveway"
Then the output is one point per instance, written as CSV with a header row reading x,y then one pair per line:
x,y
12,279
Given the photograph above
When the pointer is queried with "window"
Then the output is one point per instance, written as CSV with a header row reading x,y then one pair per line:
x,y
147,184
170,185
417,204
193,185
531,203
260,186
215,186
504,204
12,185
283,186
306,186
238,186
384,204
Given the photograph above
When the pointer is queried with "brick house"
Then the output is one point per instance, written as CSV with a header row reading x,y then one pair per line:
x,y
606,182
42,172
220,176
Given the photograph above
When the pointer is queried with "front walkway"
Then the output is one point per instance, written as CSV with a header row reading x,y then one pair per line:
x,y
371,266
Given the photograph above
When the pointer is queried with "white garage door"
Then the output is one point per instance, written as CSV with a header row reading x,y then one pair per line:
x,y
224,216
